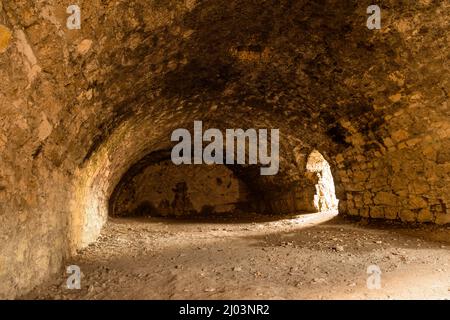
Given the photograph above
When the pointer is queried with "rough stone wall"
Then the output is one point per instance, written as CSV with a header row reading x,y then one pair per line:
x,y
164,189
407,183
397,166
33,188
79,107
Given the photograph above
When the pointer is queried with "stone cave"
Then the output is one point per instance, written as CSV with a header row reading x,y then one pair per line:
x,y
88,104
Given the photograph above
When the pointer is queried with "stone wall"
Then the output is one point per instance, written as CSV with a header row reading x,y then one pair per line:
x,y
408,182
164,189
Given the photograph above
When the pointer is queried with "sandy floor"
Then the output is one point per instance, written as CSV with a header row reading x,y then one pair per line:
x,y
302,257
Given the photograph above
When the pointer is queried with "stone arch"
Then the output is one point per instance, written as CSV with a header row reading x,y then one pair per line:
x,y
318,171
378,101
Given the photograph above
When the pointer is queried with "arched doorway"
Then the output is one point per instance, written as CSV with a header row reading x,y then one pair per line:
x,y
318,172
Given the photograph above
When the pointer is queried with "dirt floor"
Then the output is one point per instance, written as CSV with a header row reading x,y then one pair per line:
x,y
257,257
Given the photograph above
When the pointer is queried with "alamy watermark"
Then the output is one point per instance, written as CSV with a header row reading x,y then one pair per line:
x,y
74,20
236,141
374,279
74,280
374,20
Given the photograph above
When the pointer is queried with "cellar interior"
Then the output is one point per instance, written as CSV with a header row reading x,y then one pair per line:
x,y
86,171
